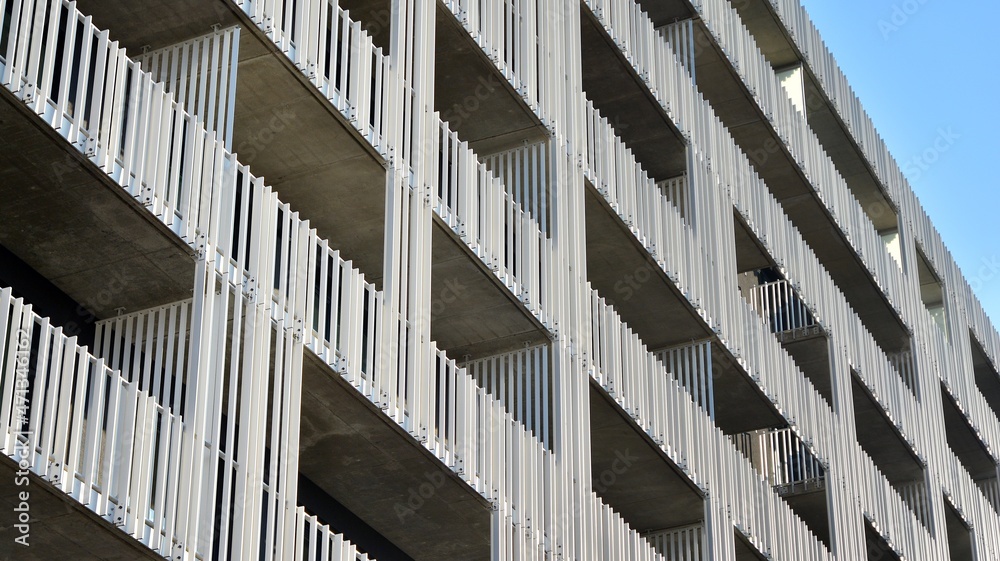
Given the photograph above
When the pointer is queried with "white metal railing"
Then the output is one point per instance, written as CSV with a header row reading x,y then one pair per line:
x,y
507,31
848,107
85,429
904,364
205,213
991,490
733,37
150,349
933,344
691,365
649,212
103,439
200,73
680,35
686,543
521,380
268,262
335,53
965,494
319,543
725,167
780,307
677,190
525,172
893,508
486,215
782,459
914,494
661,407
791,126
869,373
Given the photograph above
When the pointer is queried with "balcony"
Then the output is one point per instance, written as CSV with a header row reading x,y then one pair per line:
x,y
784,313
300,126
625,274
990,486
620,96
932,293
966,443
688,544
745,551
677,544
891,453
365,475
986,375
476,68
64,218
877,548
59,526
645,389
633,475
781,458
97,445
777,303
960,544
522,381
393,492
824,121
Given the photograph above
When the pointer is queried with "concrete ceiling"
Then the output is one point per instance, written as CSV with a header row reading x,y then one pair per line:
x,y
472,96
758,17
634,477
739,404
354,453
471,313
745,551
157,23
931,292
374,16
878,549
812,508
307,151
812,355
624,275
72,224
881,441
964,442
636,117
60,527
662,12
750,254
959,537
987,378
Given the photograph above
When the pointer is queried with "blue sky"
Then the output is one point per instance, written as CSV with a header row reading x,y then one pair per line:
x,y
925,69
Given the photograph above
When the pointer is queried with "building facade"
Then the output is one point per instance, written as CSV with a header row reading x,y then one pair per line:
x,y
472,279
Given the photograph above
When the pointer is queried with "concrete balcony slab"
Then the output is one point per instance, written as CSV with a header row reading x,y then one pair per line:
x,y
360,457
75,226
59,526
633,475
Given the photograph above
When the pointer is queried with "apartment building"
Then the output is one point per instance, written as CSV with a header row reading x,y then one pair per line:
x,y
472,279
